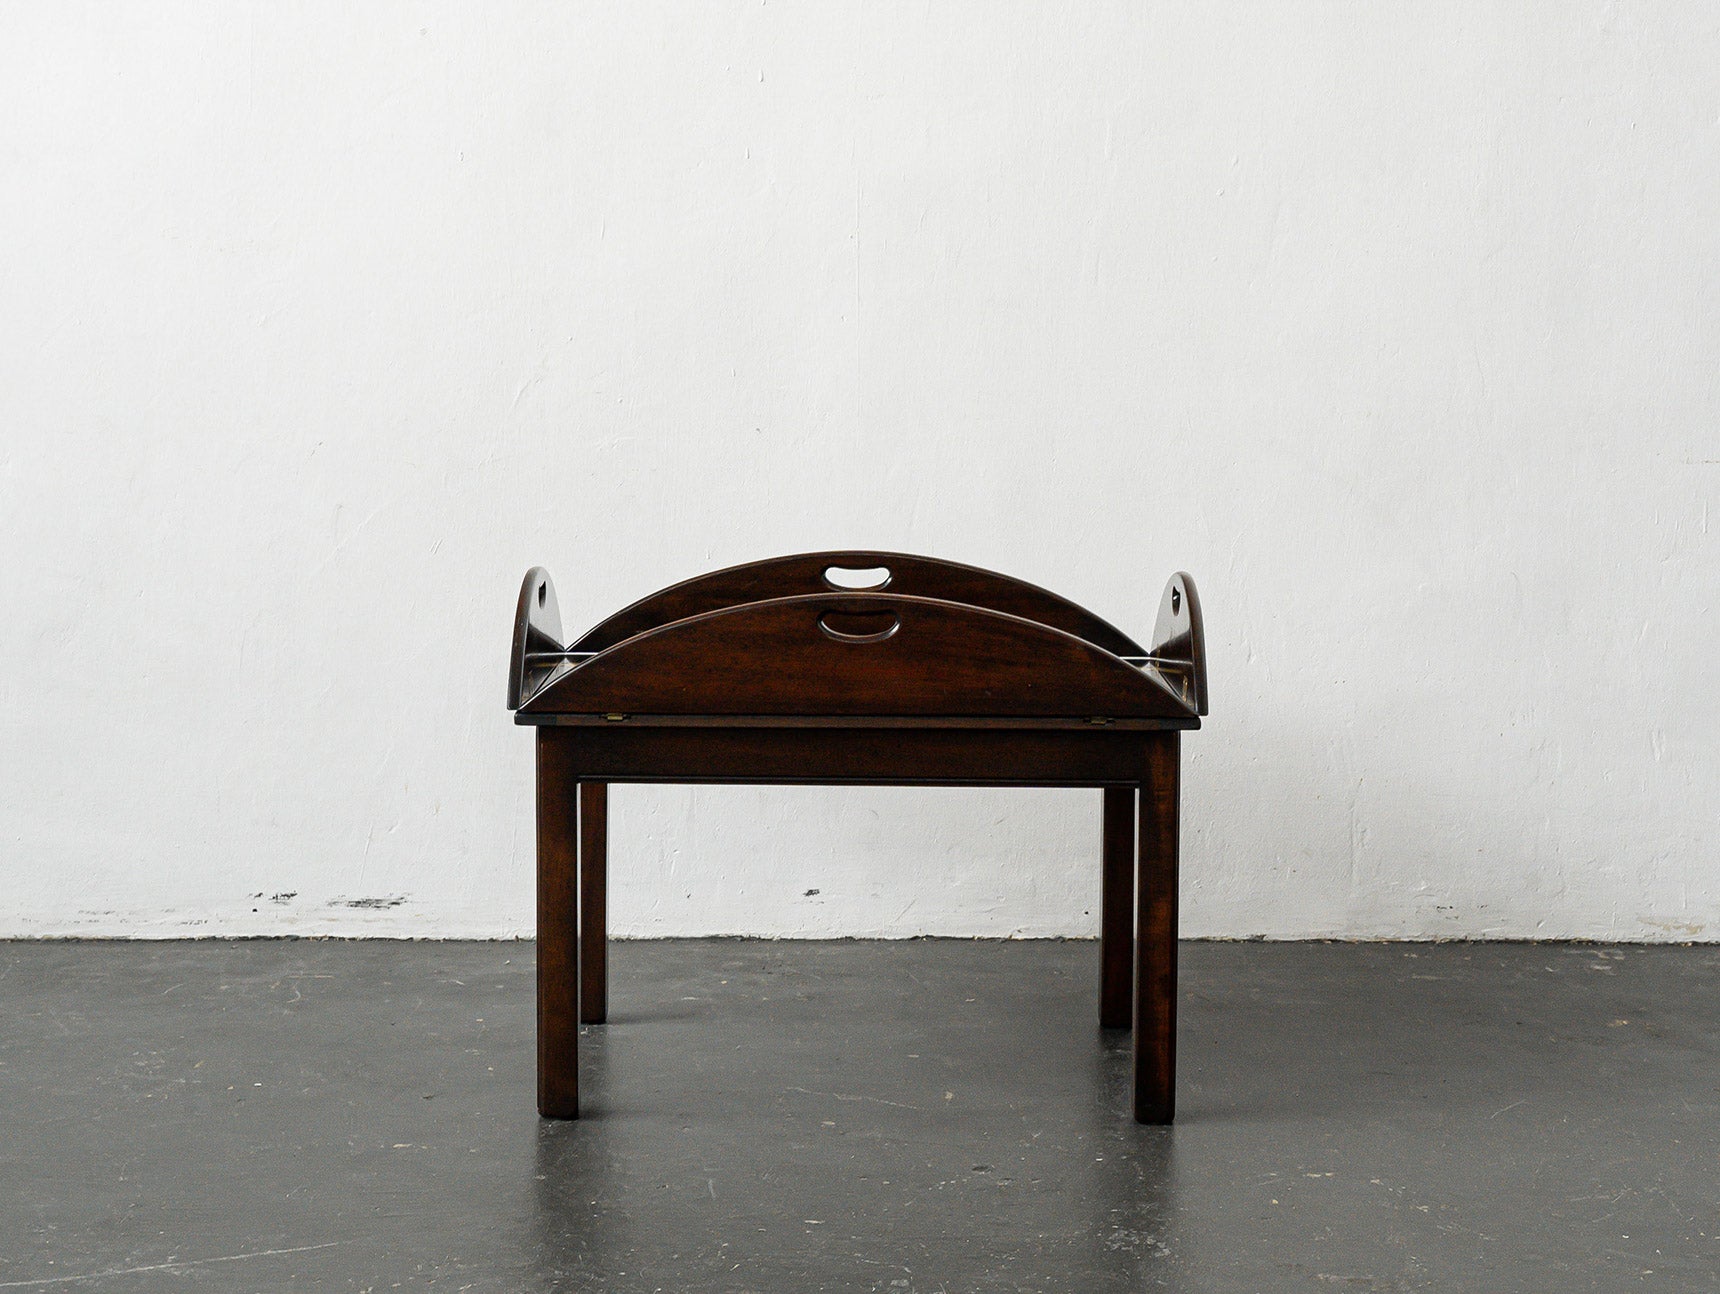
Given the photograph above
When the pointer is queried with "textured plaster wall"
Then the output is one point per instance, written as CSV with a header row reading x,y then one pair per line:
x,y
1396,324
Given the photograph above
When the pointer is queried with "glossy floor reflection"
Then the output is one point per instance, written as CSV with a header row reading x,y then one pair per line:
x,y
913,1116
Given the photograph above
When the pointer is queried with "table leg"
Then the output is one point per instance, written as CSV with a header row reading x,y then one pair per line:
x,y
1117,909
557,926
593,902
1155,1037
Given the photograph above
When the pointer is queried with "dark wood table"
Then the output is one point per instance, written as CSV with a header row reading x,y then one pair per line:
x,y
933,674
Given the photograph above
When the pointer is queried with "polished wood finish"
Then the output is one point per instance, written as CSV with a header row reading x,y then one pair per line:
x,y
537,655
942,676
802,573
791,656
1155,1025
557,927
1179,641
855,756
1117,909
593,902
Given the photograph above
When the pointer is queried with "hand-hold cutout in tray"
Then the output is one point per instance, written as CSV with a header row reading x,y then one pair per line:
x,y
857,579
859,626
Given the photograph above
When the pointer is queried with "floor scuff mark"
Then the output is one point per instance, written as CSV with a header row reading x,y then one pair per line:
x,y
165,1267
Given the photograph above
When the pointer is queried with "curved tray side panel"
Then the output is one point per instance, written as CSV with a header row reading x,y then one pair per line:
x,y
1179,640
537,637
857,654
805,573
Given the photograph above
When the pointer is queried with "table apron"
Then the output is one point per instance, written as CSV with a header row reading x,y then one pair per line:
x,y
852,756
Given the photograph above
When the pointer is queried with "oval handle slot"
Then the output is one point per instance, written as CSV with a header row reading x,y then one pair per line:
x,y
857,577
859,626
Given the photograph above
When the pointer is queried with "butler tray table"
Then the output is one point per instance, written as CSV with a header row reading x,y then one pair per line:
x,y
929,674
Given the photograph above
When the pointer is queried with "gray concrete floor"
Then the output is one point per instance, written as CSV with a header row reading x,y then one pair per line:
x,y
932,1115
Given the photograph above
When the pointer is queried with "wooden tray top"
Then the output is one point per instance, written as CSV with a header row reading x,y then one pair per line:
x,y
928,643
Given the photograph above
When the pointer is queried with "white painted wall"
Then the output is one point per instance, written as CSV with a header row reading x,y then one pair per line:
x,y
1395,323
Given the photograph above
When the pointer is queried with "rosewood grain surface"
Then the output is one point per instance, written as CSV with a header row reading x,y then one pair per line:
x,y
557,930
1156,934
782,657
926,577
852,756
593,902
1117,909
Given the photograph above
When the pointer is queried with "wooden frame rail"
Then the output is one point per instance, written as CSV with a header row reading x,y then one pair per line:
x,y
935,675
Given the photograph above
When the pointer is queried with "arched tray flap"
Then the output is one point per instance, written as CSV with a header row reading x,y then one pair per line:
x,y
537,636
859,654
1179,641
904,574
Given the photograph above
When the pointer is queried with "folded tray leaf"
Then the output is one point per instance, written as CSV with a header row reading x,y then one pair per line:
x,y
903,574
859,654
